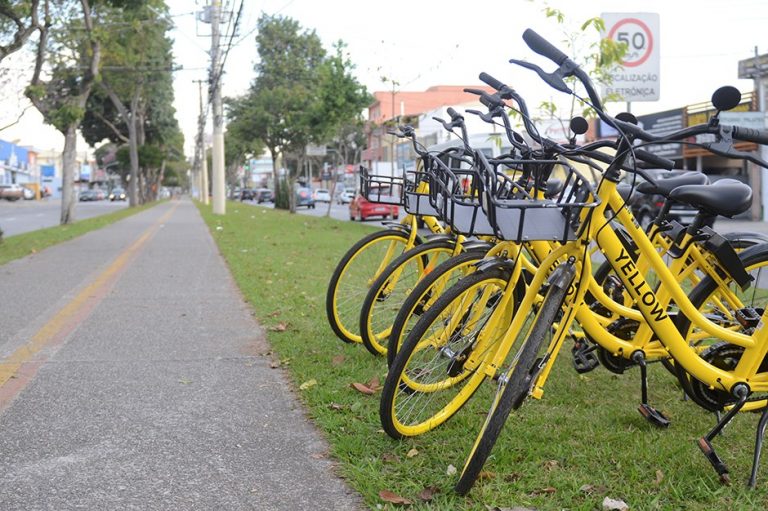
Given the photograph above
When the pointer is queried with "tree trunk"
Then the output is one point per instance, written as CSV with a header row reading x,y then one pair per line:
x,y
69,162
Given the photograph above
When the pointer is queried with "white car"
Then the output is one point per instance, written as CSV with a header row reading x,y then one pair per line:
x,y
346,196
28,193
322,195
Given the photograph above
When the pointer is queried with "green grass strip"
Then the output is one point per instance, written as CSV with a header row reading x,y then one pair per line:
x,y
583,442
21,245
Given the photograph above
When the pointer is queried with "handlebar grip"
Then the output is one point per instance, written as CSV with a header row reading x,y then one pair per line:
x,y
653,159
490,80
543,47
750,135
454,114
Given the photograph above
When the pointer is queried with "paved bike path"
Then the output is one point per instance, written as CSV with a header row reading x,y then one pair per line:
x,y
133,376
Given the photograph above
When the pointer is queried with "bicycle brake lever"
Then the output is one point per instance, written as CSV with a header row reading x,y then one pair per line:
x,y
553,79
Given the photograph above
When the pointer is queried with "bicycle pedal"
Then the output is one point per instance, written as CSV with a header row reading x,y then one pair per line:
x,y
718,464
653,416
584,359
748,317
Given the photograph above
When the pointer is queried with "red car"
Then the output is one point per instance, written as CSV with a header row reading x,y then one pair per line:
x,y
361,209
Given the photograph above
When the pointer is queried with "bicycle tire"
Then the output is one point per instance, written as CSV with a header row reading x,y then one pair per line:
x,y
392,287
514,387
755,261
412,401
346,279
424,295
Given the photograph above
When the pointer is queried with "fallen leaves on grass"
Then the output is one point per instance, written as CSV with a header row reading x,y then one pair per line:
x,y
388,457
336,406
451,470
280,327
363,389
551,464
274,364
484,475
610,504
338,360
412,453
659,477
428,493
307,384
591,489
549,490
393,498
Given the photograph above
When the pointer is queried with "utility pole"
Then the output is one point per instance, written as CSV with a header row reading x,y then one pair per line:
x,y
218,188
201,163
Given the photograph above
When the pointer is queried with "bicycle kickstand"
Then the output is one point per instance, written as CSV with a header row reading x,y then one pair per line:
x,y
705,442
761,425
651,414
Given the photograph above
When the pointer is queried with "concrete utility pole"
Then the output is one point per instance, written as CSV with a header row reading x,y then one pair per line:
x,y
218,188
201,164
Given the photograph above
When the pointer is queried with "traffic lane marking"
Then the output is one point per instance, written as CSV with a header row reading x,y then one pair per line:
x,y
20,367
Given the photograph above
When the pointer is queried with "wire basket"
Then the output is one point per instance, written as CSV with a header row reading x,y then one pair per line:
x,y
381,189
456,195
417,196
514,209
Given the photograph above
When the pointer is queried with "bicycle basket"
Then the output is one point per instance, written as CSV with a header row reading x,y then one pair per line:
x,y
381,189
516,211
455,193
417,199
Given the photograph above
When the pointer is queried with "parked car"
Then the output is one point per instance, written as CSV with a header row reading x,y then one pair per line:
x,y
322,195
88,195
247,194
304,198
28,193
646,207
11,192
264,195
117,194
361,209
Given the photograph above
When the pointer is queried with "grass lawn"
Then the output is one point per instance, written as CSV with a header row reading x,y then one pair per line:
x,y
20,245
583,442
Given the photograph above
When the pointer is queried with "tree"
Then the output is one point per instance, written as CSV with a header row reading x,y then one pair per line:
x,y
279,107
135,93
71,54
299,96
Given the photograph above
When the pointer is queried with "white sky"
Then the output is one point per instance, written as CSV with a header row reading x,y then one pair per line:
x,y
420,43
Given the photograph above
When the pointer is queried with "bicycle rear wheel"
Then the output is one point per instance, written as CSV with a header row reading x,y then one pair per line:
x,y
392,287
426,293
515,384
353,276
720,308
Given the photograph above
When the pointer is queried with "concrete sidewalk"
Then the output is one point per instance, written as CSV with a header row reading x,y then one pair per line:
x,y
132,376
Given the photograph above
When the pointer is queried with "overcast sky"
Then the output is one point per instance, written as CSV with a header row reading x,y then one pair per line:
x,y
427,42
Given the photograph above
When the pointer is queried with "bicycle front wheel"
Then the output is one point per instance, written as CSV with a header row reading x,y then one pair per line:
x,y
440,365
353,277
515,383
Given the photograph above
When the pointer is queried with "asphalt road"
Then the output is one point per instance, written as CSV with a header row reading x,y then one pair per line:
x,y
23,216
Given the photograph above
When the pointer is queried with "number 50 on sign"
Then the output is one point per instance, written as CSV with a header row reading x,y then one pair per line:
x,y
638,78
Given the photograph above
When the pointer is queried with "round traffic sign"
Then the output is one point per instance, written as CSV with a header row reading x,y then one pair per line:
x,y
638,37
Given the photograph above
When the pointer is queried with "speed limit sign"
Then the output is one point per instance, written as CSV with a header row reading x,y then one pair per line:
x,y
638,77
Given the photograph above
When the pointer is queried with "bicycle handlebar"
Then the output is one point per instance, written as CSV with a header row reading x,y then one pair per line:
x,y
544,47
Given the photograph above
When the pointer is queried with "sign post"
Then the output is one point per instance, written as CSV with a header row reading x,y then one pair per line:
x,y
638,78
